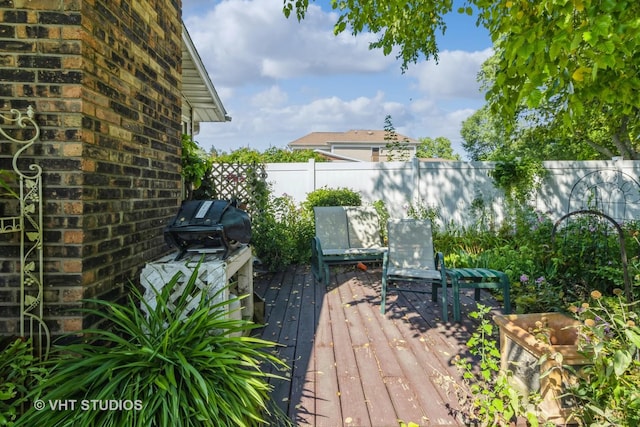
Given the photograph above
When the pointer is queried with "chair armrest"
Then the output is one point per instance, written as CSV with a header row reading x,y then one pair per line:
x,y
316,244
317,261
316,251
441,267
439,261
385,262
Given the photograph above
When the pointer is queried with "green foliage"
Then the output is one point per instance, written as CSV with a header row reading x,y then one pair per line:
x,y
570,56
418,209
19,373
244,155
546,274
5,184
397,24
608,390
541,138
281,234
488,398
195,164
518,178
383,214
438,148
281,155
397,150
482,135
282,231
270,155
179,366
331,197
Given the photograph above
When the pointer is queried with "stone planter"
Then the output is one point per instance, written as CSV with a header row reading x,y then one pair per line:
x,y
520,353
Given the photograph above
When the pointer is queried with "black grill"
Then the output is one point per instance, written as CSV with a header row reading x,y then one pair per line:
x,y
208,226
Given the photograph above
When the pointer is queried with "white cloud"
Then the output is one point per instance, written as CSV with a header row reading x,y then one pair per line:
x,y
248,41
279,79
454,76
273,121
274,96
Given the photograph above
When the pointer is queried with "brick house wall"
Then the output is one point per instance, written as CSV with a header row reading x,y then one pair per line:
x,y
104,79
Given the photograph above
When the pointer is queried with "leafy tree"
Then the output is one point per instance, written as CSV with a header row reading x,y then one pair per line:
x,y
484,138
579,56
439,148
241,155
568,58
397,150
481,135
284,155
270,155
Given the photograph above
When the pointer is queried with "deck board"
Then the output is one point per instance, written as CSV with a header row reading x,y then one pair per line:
x,y
354,366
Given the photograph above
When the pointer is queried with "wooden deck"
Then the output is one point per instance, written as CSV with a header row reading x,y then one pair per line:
x,y
353,366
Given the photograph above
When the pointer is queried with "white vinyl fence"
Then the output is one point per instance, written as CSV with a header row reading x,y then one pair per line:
x,y
452,187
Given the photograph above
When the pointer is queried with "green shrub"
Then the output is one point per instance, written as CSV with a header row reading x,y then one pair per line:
x,y
282,234
19,373
172,369
383,214
331,197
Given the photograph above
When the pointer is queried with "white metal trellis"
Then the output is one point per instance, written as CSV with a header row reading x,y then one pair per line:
x,y
29,224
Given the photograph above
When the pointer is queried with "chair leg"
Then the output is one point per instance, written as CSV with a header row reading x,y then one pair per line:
x,y
455,287
383,294
504,279
443,301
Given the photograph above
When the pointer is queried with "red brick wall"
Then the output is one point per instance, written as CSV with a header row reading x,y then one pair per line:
x,y
104,79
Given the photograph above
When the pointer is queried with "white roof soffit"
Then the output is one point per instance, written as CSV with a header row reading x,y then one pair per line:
x,y
197,89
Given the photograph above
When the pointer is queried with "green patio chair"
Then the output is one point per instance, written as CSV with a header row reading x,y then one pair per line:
x,y
344,234
411,258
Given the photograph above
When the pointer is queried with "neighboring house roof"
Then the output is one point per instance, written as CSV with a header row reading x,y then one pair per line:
x,y
324,140
197,89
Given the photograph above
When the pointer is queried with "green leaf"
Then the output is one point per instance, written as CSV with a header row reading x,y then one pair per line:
x,y
633,337
621,361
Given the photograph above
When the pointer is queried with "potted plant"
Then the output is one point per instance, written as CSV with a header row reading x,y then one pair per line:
x,y
535,348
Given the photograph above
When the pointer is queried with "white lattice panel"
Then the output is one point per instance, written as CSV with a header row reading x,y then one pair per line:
x,y
210,281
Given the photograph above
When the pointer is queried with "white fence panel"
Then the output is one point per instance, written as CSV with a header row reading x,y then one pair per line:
x,y
454,187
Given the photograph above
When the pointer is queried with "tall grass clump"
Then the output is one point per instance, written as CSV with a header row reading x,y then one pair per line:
x,y
163,365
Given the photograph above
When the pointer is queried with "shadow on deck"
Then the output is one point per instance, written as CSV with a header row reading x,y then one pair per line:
x,y
351,365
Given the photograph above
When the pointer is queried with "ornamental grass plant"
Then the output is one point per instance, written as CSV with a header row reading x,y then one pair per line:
x,y
162,368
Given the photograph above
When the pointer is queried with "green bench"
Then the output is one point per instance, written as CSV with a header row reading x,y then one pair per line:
x,y
477,278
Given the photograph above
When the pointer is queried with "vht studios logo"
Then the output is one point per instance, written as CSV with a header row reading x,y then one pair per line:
x,y
88,405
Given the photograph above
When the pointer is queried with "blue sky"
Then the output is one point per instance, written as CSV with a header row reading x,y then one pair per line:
x,y
279,79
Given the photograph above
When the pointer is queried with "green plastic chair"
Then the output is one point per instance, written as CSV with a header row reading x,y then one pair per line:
x,y
411,258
